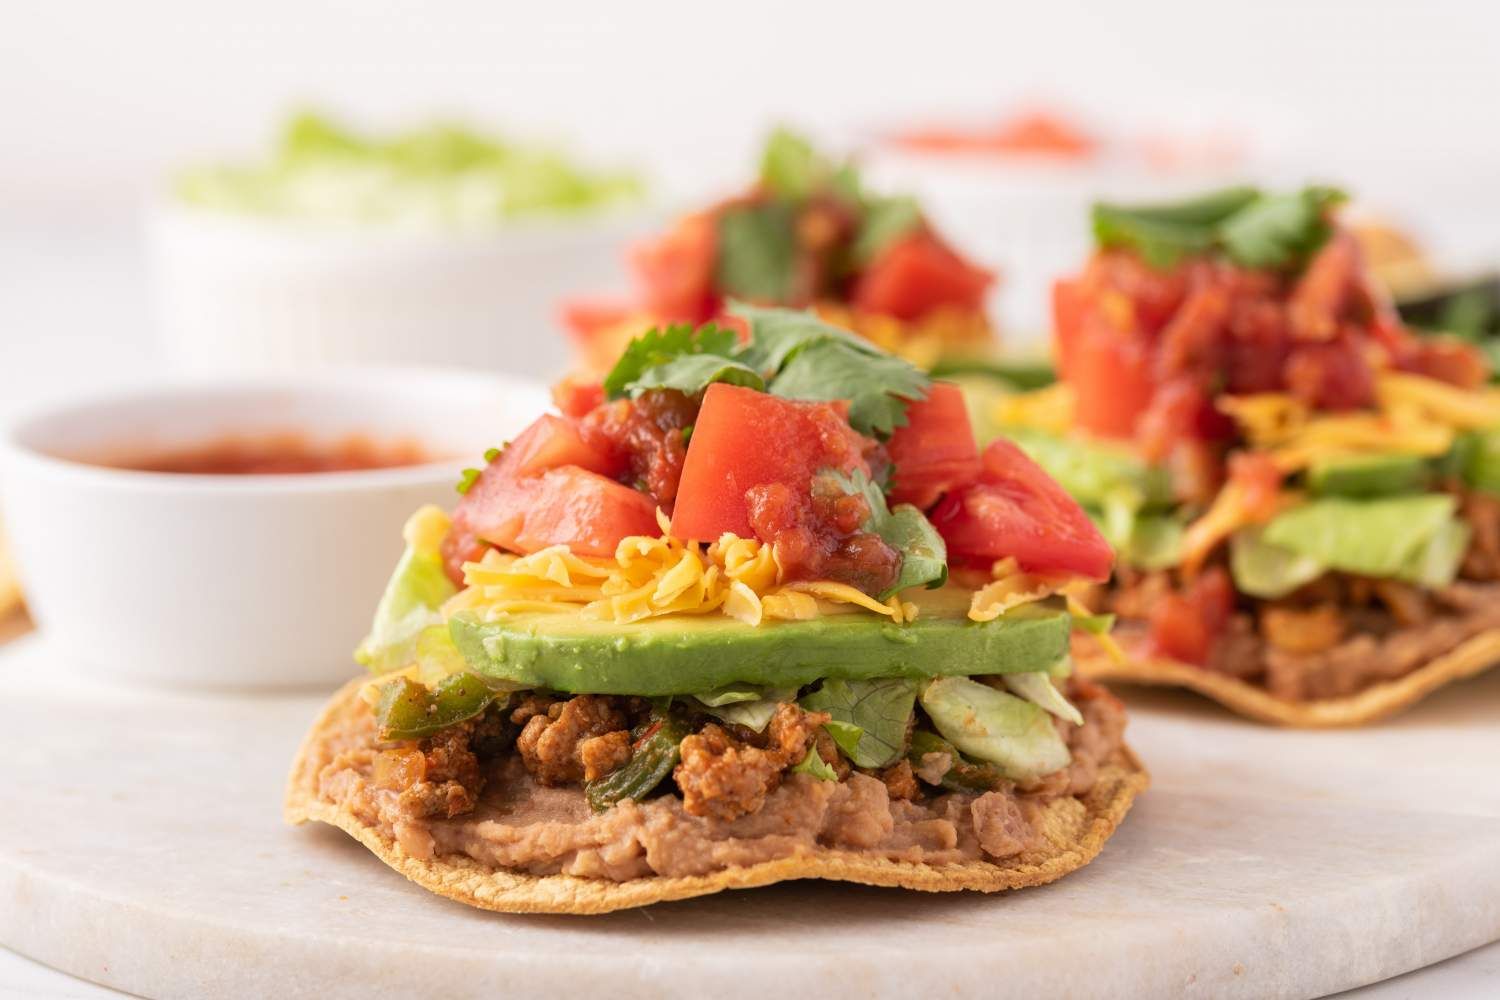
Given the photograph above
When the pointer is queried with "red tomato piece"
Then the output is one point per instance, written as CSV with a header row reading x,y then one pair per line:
x,y
1017,510
514,505
1185,625
577,395
676,271
916,275
551,442
743,438
935,452
1110,374
586,318
584,511
1068,307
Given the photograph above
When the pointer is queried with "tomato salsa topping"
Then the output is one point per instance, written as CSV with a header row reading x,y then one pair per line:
x,y
1205,336
808,233
798,435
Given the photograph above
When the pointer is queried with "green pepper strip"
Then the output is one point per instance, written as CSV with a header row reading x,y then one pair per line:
x,y
408,711
655,754
963,775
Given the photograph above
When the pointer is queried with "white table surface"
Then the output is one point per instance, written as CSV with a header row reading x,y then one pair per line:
x,y
73,312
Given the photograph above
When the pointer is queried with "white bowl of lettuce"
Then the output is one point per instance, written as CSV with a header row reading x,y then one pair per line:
x,y
434,245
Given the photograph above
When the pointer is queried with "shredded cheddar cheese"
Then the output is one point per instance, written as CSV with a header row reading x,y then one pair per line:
x,y
941,333
1010,588
1049,409
652,577
1416,415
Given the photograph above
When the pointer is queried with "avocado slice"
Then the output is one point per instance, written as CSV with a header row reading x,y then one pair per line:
x,y
1368,475
681,654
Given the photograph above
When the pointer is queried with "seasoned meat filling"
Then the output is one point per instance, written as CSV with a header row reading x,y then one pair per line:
x,y
733,798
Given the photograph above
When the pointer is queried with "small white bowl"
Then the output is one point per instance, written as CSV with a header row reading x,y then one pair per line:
x,y
233,581
239,293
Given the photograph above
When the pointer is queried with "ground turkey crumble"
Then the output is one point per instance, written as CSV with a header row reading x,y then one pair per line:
x,y
477,790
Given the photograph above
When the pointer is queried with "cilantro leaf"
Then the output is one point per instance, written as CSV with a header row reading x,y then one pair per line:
x,y
776,334
924,556
1279,230
757,256
1250,227
886,220
656,348
1164,233
870,718
805,358
692,373
878,387
789,166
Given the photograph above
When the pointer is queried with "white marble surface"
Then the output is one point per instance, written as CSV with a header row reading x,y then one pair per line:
x,y
144,850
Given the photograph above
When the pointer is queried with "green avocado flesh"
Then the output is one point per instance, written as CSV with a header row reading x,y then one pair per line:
x,y
683,654
1369,475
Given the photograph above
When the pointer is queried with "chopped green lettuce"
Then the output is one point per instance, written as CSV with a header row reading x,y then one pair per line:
x,y
870,718
993,726
816,766
1037,687
1094,473
1148,541
416,590
1437,562
1411,538
1376,538
751,708
1269,571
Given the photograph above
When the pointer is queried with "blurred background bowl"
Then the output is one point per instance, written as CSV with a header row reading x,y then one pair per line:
x,y
232,581
237,293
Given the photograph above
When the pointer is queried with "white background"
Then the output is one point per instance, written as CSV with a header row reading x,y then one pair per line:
x,y
1395,98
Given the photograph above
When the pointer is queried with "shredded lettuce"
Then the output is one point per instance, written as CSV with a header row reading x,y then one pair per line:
x,y
1269,571
1411,538
1037,688
1377,538
816,766
924,554
410,604
751,708
870,718
993,726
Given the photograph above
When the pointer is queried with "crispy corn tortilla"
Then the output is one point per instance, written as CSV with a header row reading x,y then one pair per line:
x,y
1075,829
1473,656
10,586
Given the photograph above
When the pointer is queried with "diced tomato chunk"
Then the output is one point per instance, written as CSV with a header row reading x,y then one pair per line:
x,y
935,452
1110,374
676,271
1016,509
744,438
551,442
582,510
586,318
916,275
548,487
1184,625
577,395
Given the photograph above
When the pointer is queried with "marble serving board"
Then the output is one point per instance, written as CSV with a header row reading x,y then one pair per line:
x,y
141,847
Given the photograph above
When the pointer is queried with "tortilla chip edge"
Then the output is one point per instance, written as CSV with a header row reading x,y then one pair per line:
x,y
1472,656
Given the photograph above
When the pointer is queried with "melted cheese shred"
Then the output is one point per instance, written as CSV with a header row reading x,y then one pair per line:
x,y
1415,415
652,577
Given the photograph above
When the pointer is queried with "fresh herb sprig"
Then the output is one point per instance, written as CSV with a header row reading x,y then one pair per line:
x,y
1250,227
790,353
